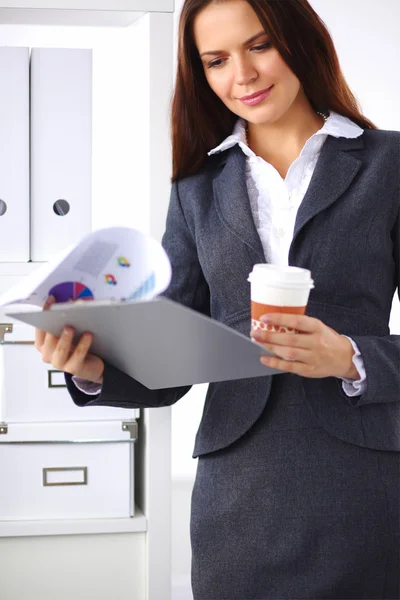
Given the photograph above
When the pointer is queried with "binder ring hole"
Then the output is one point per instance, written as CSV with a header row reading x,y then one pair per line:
x,y
61,207
3,208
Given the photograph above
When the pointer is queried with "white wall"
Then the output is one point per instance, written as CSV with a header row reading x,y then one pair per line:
x,y
366,36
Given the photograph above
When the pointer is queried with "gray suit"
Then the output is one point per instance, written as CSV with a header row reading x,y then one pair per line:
x,y
347,233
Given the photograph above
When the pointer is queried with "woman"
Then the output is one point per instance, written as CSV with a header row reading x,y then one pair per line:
x,y
297,488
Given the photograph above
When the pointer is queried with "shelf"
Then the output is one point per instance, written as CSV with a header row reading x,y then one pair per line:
x,y
11,269
103,431
146,50
136,524
116,13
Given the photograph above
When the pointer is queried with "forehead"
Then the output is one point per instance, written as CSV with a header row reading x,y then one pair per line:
x,y
223,24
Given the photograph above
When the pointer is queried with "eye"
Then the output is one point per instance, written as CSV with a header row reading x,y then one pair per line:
x,y
216,63
261,47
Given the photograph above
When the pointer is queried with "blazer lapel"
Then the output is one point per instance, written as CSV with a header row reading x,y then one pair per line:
x,y
233,203
334,172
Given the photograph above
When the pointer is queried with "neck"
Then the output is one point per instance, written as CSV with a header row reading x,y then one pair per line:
x,y
285,137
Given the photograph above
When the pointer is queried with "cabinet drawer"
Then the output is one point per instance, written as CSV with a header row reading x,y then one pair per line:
x,y
66,481
34,392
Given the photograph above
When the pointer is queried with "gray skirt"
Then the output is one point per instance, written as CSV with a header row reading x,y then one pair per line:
x,y
291,512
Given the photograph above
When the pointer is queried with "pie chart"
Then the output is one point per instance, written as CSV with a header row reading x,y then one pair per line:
x,y
71,291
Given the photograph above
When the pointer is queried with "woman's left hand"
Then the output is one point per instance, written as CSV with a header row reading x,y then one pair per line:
x,y
315,350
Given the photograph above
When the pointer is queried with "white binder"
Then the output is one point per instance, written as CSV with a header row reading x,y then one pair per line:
x,y
14,154
61,149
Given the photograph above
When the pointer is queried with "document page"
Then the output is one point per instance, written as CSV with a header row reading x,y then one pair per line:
x,y
114,264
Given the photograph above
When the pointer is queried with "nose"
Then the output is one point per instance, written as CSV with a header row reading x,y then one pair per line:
x,y
245,72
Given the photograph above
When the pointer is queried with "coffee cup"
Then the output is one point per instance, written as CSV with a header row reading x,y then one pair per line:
x,y
276,288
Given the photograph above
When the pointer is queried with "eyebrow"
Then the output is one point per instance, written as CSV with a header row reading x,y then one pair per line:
x,y
249,41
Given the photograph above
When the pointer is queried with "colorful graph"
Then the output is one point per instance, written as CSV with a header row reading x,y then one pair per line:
x,y
71,291
123,262
144,289
110,279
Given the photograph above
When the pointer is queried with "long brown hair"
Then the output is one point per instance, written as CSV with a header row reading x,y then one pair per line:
x,y
199,119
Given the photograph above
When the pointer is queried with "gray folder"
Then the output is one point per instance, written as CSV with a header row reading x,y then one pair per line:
x,y
158,342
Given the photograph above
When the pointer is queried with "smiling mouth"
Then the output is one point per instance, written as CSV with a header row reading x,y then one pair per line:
x,y
257,97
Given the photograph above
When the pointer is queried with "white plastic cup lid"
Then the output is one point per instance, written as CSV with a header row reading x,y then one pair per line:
x,y
281,276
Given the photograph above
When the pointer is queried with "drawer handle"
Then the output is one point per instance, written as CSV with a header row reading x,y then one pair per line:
x,y
63,476
54,379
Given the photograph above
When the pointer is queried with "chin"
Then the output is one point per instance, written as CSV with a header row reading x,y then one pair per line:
x,y
265,117
260,119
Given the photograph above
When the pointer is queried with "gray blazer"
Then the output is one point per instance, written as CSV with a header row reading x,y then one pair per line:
x,y
347,233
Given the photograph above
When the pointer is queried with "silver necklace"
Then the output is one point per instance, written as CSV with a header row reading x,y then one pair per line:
x,y
325,118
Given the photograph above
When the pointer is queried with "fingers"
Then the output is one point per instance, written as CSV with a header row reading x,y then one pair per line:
x,y
69,358
50,300
301,323
289,365
62,353
48,347
289,353
61,346
282,339
39,334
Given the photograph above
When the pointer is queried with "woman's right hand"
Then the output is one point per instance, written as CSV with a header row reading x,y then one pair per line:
x,y
64,356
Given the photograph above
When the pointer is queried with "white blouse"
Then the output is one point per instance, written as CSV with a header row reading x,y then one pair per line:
x,y
275,201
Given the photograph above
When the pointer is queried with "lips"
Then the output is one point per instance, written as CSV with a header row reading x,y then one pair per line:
x,y
257,97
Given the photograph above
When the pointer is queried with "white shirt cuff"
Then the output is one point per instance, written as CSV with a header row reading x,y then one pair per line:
x,y
87,387
358,387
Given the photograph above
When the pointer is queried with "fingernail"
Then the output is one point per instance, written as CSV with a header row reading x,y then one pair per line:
x,y
265,318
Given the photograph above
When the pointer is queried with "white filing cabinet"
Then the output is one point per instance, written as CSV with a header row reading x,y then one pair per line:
x,y
58,461
66,481
35,392
93,520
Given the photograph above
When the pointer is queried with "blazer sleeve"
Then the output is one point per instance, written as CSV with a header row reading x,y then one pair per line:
x,y
188,286
381,355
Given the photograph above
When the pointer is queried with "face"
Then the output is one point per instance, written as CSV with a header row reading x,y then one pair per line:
x,y
241,66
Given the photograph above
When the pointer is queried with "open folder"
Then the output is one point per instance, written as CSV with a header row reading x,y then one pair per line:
x,y
109,284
